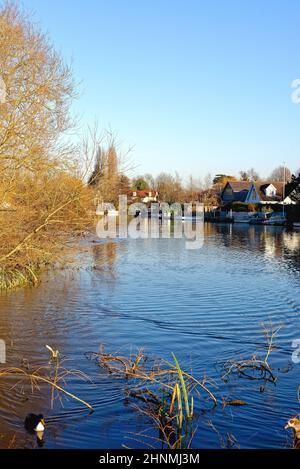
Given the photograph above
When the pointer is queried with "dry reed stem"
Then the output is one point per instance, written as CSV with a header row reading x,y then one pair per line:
x,y
136,369
172,419
255,363
34,378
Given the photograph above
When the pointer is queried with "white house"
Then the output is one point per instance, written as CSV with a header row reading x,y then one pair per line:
x,y
267,193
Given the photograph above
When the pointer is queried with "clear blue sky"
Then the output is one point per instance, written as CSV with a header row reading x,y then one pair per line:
x,y
195,85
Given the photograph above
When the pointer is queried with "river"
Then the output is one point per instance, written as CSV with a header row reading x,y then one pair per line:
x,y
205,305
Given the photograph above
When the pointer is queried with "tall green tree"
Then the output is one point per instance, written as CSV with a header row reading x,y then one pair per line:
x,y
140,184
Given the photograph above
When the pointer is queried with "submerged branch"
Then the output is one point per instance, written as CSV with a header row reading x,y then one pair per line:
x,y
35,377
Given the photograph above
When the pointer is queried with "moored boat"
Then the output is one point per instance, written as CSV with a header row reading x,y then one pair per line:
x,y
242,218
278,219
259,218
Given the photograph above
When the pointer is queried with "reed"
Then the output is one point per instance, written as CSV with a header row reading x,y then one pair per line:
x,y
257,367
165,390
188,408
16,278
54,375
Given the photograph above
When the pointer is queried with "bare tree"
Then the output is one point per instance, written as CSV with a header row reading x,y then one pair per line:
x,y
244,176
253,175
105,177
280,174
110,165
43,200
208,181
250,175
193,188
149,180
39,89
169,187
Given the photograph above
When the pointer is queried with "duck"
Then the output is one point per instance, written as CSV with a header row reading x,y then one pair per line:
x,y
294,423
35,423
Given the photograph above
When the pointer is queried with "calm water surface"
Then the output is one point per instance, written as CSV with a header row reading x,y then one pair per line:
x,y
205,305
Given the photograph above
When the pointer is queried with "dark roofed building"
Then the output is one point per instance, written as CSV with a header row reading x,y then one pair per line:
x,y
235,191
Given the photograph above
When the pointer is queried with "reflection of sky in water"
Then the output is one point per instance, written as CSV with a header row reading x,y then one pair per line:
x,y
205,305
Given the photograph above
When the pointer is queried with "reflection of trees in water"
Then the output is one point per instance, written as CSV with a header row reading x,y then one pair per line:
x,y
104,257
273,242
291,243
280,243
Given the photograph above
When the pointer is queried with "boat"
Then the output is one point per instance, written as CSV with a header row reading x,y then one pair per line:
x,y
259,218
242,218
296,225
278,219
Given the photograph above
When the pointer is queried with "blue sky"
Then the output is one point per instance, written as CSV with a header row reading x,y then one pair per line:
x,y
195,86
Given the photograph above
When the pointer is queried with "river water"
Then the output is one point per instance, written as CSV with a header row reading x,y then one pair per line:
x,y
205,305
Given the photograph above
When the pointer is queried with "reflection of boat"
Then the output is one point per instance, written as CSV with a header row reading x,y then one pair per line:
x,y
276,219
192,218
242,218
296,224
259,218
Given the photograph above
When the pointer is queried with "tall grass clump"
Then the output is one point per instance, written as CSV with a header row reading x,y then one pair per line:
x,y
165,392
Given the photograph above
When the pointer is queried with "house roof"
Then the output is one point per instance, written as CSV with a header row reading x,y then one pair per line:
x,y
261,186
240,189
238,186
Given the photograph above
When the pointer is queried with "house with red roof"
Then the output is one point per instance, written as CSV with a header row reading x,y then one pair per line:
x,y
145,196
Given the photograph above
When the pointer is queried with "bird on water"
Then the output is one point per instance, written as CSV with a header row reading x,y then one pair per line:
x,y
294,423
34,423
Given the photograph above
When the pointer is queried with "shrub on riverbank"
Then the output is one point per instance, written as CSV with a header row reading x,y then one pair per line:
x,y
43,198
44,216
